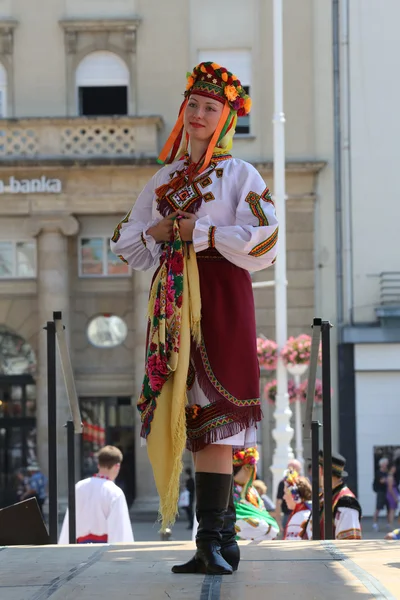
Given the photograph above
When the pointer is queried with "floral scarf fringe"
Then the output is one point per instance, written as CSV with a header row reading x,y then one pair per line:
x,y
174,313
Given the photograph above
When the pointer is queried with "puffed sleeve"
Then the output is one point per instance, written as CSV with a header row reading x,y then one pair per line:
x,y
251,243
130,241
347,524
256,529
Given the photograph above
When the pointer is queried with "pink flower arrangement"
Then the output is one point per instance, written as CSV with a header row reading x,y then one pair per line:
x,y
267,352
317,393
270,391
297,351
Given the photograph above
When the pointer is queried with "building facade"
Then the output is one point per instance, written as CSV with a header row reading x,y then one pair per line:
x,y
89,91
369,366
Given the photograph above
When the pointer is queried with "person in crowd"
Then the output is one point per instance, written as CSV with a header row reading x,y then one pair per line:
x,y
205,219
102,514
393,535
262,490
392,495
36,486
283,512
297,496
346,510
253,521
309,473
380,488
21,483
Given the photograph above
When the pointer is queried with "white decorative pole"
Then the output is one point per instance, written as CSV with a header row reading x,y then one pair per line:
x,y
282,433
297,371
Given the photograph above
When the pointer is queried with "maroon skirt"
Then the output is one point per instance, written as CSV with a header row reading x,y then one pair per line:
x,y
225,363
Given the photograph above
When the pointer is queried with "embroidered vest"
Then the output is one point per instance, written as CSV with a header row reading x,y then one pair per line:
x,y
340,492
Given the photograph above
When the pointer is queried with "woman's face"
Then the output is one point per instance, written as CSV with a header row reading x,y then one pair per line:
x,y
201,117
243,476
289,498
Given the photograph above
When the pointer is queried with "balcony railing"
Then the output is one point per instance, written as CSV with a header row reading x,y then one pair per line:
x,y
390,288
388,312
79,137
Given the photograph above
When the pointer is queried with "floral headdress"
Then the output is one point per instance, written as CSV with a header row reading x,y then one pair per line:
x,y
291,481
211,80
249,456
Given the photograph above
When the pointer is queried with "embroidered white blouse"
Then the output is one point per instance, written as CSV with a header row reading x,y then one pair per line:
x,y
236,216
299,524
101,513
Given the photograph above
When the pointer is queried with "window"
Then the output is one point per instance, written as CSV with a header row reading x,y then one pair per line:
x,y
102,81
18,260
239,63
3,92
97,260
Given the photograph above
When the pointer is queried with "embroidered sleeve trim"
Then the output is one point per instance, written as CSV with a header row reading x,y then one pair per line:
x,y
123,259
266,196
117,230
265,246
349,534
143,240
211,236
254,200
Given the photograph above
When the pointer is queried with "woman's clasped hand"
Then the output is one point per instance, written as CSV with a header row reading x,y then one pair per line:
x,y
163,230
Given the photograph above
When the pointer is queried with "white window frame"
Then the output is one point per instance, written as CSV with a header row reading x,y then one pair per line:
x,y
106,246
3,92
90,78
14,274
3,102
229,58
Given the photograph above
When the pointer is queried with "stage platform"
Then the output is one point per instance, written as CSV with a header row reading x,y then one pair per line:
x,y
270,570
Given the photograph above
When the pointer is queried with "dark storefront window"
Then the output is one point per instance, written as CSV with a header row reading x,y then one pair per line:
x,y
17,433
109,421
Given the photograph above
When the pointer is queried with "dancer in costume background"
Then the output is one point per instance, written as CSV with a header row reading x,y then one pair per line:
x,y
346,510
207,219
298,496
253,521
102,514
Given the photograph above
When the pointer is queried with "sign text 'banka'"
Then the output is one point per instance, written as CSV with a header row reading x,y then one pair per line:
x,y
41,185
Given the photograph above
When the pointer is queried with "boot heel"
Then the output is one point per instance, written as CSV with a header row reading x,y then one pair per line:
x,y
231,554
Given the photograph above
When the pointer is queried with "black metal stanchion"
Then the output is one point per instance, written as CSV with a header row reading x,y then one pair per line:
x,y
71,482
315,479
52,430
327,428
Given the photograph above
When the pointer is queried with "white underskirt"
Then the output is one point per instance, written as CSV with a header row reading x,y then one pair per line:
x,y
247,438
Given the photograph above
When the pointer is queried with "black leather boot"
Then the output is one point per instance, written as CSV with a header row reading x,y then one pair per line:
x,y
212,494
229,547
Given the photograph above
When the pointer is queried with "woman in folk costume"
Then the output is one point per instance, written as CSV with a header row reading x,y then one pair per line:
x,y
207,219
253,521
298,496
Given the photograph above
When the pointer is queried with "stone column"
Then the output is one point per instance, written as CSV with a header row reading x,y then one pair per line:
x,y
53,295
146,493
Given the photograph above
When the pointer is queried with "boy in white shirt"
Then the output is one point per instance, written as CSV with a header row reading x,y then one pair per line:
x,y
101,511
